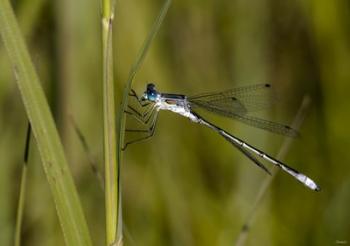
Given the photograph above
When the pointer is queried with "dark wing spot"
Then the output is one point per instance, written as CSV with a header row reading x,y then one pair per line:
x,y
267,85
234,99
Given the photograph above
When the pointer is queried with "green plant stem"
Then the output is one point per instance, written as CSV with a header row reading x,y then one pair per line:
x,y
135,67
67,202
22,190
109,128
21,206
298,120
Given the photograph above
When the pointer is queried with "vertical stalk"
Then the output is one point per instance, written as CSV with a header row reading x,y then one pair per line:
x,y
109,127
121,117
22,190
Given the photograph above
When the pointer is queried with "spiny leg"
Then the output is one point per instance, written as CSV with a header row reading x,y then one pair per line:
x,y
150,130
142,118
143,114
141,102
142,111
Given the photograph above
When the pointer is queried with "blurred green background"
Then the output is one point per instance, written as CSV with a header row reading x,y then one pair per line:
x,y
187,186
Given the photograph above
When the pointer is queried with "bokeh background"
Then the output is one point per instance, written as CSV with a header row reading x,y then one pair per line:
x,y
187,186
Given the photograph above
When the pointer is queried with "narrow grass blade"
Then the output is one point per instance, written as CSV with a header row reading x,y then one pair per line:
x,y
134,69
66,199
22,191
298,120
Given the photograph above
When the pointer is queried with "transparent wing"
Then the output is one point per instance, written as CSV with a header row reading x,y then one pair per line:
x,y
238,102
241,100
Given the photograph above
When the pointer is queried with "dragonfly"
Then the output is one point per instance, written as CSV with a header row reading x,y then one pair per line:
x,y
236,103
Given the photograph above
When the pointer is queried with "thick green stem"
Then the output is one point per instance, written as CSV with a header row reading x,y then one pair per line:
x,y
109,117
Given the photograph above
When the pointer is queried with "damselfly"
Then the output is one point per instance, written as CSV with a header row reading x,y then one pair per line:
x,y
235,103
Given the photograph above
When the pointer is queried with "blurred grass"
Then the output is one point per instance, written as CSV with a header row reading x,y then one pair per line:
x,y
265,186
63,190
186,186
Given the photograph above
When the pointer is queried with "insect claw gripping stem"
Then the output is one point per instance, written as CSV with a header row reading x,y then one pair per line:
x,y
149,116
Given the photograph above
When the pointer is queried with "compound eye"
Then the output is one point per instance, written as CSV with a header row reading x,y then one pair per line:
x,y
152,96
150,86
